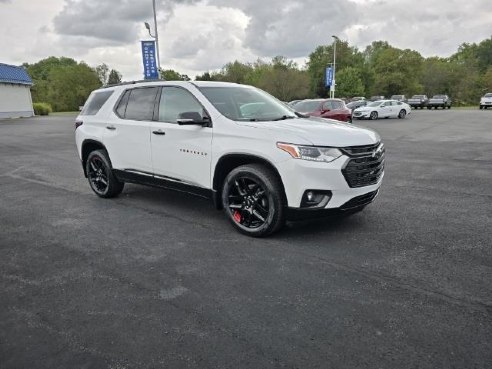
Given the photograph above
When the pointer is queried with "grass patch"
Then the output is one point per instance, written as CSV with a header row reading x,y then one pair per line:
x,y
65,113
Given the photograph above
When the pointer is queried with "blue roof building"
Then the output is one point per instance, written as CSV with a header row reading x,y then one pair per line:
x,y
15,92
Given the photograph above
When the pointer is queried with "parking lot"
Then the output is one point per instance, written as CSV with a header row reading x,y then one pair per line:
x,y
157,279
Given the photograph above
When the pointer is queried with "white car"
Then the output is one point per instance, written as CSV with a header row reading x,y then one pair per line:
x,y
486,101
383,109
256,158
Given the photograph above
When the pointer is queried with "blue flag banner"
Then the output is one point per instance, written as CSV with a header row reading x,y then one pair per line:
x,y
149,60
329,76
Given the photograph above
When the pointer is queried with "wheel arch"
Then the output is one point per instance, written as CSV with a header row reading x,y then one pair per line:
x,y
229,162
88,146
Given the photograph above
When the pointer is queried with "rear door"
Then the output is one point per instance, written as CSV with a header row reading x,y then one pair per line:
x,y
127,137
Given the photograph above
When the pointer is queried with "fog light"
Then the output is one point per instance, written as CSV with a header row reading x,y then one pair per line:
x,y
315,199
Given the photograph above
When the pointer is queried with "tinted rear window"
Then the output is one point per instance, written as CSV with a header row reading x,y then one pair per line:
x,y
121,108
95,102
141,104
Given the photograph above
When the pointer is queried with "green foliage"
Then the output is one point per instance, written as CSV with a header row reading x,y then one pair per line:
x,y
172,75
281,77
349,82
380,69
42,108
114,77
62,82
102,71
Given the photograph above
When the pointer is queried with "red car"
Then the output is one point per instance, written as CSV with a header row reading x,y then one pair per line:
x,y
325,108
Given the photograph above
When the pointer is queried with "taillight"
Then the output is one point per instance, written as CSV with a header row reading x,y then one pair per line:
x,y
78,123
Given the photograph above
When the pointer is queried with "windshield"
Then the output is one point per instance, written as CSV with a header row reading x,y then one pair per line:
x,y
488,95
243,103
375,103
439,97
417,96
307,106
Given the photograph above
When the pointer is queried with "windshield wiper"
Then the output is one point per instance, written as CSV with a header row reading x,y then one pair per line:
x,y
284,117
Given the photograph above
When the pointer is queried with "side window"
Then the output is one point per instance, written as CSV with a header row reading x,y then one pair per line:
x,y
141,103
121,108
328,105
95,102
174,101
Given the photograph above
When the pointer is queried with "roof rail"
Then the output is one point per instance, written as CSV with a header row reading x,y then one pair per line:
x,y
133,82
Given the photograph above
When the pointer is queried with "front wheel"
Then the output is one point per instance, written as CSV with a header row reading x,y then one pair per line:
x,y
374,115
253,200
402,114
100,175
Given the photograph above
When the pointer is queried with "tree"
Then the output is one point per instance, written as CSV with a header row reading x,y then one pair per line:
x,y
62,82
397,72
349,83
102,71
172,75
322,57
114,77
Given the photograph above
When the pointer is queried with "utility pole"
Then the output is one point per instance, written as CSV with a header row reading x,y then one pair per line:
x,y
155,36
332,87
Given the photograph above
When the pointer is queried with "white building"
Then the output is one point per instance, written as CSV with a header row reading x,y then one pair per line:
x,y
15,92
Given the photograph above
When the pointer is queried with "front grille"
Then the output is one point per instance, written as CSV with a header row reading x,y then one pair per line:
x,y
366,165
359,201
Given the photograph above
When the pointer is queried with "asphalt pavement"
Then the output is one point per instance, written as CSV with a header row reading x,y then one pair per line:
x,y
157,279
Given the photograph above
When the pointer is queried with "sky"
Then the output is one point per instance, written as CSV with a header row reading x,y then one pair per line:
x,y
200,36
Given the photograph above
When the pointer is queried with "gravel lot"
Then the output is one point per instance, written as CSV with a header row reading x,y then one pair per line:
x,y
157,279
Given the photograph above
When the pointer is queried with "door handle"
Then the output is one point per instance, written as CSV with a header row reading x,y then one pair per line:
x,y
111,128
159,132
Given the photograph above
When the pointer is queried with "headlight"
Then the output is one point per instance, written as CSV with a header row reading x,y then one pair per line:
x,y
312,153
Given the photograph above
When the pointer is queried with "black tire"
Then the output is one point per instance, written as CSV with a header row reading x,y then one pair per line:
x,y
429,107
253,200
100,175
374,115
402,114
480,107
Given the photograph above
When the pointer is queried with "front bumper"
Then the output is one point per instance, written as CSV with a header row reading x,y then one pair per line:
x,y
299,176
355,204
361,115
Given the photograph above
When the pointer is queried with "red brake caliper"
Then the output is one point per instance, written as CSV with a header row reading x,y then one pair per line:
x,y
237,216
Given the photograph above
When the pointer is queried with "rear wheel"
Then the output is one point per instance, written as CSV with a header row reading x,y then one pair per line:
x,y
253,200
100,175
374,115
402,114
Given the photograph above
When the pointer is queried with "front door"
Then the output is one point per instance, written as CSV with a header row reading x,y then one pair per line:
x,y
181,152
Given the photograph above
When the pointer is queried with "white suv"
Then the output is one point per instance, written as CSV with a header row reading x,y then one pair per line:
x,y
251,154
486,101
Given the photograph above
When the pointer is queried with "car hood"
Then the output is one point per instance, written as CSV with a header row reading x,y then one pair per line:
x,y
364,109
319,132
486,99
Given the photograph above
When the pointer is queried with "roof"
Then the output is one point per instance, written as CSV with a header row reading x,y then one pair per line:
x,y
14,75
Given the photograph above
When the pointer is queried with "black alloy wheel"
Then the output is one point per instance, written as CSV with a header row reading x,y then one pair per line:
x,y
253,200
100,176
402,114
374,115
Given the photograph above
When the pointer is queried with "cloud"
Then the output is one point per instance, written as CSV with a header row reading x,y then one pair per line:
x,y
197,36
292,28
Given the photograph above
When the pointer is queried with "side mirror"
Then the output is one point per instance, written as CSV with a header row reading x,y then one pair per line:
x,y
192,118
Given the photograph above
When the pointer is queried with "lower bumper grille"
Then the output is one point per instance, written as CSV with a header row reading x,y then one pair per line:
x,y
359,201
